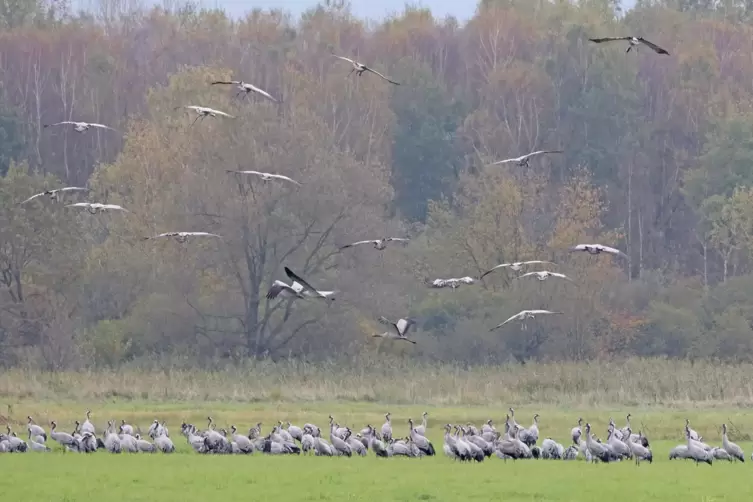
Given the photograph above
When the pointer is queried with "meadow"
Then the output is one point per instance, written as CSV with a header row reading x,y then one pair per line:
x,y
659,402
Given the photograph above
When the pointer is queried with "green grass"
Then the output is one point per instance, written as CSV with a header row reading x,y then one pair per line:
x,y
187,476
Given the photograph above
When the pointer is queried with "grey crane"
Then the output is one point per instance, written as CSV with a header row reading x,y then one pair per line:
x,y
244,444
80,126
551,449
15,443
387,428
111,440
531,435
266,177
34,429
295,432
88,443
401,327
516,266
452,283
421,429
355,445
204,112
598,450
87,426
182,237
598,249
523,315
244,89
144,445
96,207
693,434
163,442
695,452
637,450
65,439
35,446
734,451
298,289
632,42
55,193
522,161
125,428
423,444
379,244
544,275
359,68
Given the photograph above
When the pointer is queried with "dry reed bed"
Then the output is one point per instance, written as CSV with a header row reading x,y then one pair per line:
x,y
632,382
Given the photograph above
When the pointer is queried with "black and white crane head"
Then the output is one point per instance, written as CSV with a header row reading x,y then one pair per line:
x,y
56,193
81,126
452,283
632,42
516,266
522,161
244,89
359,68
379,244
204,112
543,275
299,288
524,315
182,237
266,176
598,249
96,207
400,329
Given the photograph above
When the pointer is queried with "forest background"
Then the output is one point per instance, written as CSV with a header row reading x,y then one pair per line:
x,y
658,162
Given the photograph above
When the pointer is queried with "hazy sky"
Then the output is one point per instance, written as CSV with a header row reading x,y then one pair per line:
x,y
374,9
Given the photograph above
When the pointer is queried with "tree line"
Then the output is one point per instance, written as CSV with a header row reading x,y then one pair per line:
x,y
658,162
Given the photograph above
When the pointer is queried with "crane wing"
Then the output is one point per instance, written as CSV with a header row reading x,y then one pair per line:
x,y
285,178
496,267
358,244
403,326
221,113
79,204
506,161
529,274
263,93
345,59
608,39
653,46
114,206
102,126
536,312
70,189
60,123
541,152
32,198
516,316
306,286
226,82
534,262
380,75
397,239
279,287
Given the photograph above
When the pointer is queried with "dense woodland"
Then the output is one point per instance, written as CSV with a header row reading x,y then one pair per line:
x,y
658,162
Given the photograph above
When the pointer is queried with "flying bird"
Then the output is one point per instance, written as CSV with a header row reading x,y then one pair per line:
x,y
55,194
523,315
183,236
633,42
379,244
81,126
523,159
95,207
544,275
359,68
401,329
297,289
204,112
516,266
245,89
451,283
598,249
266,176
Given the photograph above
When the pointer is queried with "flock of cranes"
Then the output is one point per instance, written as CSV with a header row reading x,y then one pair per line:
x,y
302,289
462,442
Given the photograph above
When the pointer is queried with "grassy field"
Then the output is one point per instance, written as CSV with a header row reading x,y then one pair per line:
x,y
187,476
